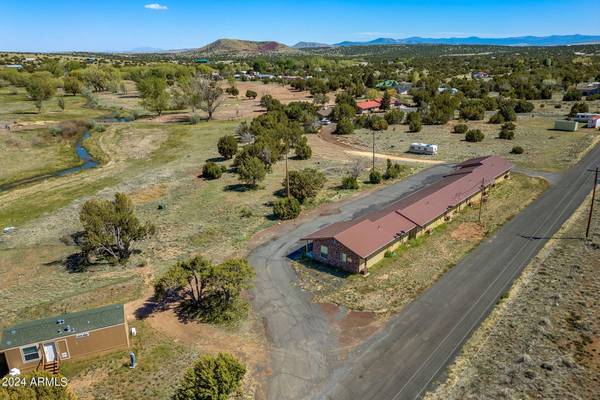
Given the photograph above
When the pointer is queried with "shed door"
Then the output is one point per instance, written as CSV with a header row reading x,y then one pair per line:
x,y
50,352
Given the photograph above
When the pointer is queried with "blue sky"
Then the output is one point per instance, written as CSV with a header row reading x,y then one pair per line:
x,y
43,25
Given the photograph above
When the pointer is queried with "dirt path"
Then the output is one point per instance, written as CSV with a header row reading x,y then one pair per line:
x,y
326,133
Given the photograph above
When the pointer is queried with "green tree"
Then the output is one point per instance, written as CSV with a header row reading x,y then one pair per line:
x,y
344,127
60,102
40,88
394,117
474,135
211,378
209,94
579,108
506,134
302,149
414,121
349,182
342,111
153,91
111,228
305,183
377,123
227,146
72,85
572,95
252,170
212,170
460,128
287,208
251,94
386,101
375,177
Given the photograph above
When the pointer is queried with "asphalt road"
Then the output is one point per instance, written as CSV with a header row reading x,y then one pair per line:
x,y
303,346
404,359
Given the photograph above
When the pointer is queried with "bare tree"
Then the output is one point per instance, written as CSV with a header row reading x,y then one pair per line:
x,y
205,94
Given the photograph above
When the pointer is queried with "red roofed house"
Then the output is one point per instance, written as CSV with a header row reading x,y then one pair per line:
x,y
358,244
368,105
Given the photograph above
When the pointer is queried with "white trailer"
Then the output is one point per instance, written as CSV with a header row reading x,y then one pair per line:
x,y
423,148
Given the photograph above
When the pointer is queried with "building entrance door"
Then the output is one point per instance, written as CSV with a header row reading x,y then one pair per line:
x,y
50,352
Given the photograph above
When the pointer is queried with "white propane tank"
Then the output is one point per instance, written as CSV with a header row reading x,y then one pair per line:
x,y
133,331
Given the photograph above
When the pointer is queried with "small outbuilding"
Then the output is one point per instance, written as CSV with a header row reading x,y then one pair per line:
x,y
565,125
42,344
594,122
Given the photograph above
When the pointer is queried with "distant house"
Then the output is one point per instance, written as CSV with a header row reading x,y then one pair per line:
x,y
42,344
591,89
565,125
423,148
443,89
13,66
479,75
584,117
201,60
358,244
403,88
594,122
368,105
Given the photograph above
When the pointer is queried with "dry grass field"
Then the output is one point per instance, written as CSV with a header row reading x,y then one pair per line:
x,y
545,148
543,339
401,277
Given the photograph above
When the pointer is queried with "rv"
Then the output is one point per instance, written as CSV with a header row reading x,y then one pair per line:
x,y
422,148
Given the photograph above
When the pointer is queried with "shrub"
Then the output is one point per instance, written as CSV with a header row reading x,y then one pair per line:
x,y
496,118
377,123
344,127
211,170
393,170
362,121
593,97
394,117
472,111
305,183
375,176
251,94
509,125
414,121
233,91
579,108
517,150
474,135
303,150
349,182
285,209
211,378
252,170
227,146
460,128
572,95
507,134
342,111
524,106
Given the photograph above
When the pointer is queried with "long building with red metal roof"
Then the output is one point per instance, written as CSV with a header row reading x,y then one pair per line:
x,y
358,244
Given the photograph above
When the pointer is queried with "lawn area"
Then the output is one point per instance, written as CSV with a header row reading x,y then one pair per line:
x,y
401,277
545,149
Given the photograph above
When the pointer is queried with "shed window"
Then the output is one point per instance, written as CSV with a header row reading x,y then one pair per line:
x,y
344,257
30,353
324,251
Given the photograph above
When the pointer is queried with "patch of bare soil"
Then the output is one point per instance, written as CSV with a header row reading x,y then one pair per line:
x,y
467,231
148,194
244,343
83,384
543,340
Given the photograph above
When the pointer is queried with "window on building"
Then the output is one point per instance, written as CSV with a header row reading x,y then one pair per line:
x,y
30,353
344,257
324,251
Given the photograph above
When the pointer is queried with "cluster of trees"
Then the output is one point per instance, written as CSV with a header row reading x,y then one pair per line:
x,y
206,291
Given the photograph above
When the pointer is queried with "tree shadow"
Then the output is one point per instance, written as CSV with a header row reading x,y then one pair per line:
x,y
216,159
533,237
238,187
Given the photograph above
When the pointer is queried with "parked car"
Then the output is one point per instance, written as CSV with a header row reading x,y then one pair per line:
x,y
325,121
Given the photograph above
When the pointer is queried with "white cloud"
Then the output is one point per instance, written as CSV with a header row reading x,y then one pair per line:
x,y
156,6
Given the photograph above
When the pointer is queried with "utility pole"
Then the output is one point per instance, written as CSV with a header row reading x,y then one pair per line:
x,y
481,200
587,231
373,132
287,175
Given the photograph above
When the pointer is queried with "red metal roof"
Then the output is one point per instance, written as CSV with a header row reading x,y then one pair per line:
x,y
373,231
368,104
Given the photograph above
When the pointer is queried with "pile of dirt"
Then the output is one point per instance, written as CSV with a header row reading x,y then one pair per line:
x,y
468,231
543,341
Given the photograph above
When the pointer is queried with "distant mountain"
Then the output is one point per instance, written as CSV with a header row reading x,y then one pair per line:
x,y
241,47
310,45
554,40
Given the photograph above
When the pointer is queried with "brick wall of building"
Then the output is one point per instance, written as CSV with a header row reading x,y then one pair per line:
x,y
334,257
